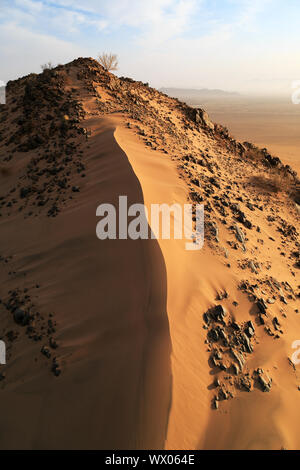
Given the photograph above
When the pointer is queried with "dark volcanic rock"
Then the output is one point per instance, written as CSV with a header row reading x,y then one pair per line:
x,y
21,317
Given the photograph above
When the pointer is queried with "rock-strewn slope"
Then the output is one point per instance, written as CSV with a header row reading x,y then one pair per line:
x,y
54,167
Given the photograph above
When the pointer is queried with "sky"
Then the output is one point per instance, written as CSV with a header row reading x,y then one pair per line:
x,y
234,45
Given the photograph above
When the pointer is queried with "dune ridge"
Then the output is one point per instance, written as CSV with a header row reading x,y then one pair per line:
x,y
113,349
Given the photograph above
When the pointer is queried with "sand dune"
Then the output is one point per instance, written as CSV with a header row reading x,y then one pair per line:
x,y
110,305
134,364
248,423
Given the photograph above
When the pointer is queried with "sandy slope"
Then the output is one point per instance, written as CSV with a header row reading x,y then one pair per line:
x,y
134,349
110,301
188,293
200,276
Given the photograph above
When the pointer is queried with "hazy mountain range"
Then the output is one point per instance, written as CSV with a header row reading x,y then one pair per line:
x,y
194,94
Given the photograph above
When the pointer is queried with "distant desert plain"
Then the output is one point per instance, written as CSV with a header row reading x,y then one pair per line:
x,y
267,121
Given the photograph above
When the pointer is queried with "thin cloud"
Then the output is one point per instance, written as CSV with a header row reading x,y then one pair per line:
x,y
24,51
219,44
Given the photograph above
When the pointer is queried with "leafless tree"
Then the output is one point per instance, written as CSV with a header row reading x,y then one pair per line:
x,y
47,66
108,61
